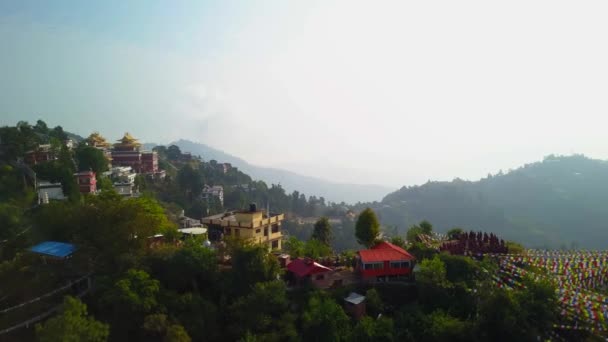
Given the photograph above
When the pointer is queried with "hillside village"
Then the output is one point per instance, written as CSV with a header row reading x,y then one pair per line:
x,y
163,245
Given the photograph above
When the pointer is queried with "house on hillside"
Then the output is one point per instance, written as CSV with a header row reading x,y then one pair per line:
x,y
42,154
256,225
123,181
49,191
216,191
385,262
127,152
307,271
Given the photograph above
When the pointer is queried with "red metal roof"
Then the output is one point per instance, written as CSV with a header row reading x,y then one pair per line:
x,y
302,268
384,251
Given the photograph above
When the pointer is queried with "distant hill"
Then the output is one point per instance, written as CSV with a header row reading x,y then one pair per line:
x,y
332,191
559,202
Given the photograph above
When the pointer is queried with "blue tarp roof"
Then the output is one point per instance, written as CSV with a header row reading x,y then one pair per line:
x,y
53,248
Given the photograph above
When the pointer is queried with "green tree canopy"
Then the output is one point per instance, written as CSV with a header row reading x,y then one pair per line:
x,y
371,330
91,158
322,231
264,312
324,320
454,233
72,325
367,228
252,264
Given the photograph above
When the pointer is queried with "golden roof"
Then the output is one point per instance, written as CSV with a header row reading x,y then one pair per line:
x,y
96,140
128,139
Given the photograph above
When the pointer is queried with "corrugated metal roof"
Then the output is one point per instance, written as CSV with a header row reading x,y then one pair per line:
x,y
303,267
355,298
53,248
384,251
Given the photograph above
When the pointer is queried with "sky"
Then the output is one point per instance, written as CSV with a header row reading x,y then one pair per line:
x,y
385,92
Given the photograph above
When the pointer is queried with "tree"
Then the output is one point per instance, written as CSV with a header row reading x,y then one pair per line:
x,y
432,272
322,231
426,226
454,233
173,152
72,325
324,320
263,312
398,241
252,264
192,268
91,158
134,294
176,333
41,127
370,330
443,327
190,180
294,247
367,228
374,303
316,249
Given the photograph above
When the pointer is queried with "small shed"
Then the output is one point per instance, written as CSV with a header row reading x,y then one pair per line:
x,y
354,305
54,249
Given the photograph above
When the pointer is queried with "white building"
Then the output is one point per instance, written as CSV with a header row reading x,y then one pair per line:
x,y
49,191
124,181
216,191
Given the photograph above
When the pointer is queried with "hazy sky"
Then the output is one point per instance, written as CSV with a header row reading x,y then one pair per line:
x,y
369,92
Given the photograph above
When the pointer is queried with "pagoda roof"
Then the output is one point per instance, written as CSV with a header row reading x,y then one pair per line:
x,y
96,139
128,139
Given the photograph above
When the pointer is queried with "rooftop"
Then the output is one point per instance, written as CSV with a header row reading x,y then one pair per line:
x,y
384,251
54,249
355,298
306,267
128,139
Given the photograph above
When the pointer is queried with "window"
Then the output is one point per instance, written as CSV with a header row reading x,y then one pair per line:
x,y
400,264
275,244
319,277
228,231
275,228
374,266
237,232
257,231
265,231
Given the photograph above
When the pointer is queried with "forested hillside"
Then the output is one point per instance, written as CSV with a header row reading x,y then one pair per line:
x,y
559,202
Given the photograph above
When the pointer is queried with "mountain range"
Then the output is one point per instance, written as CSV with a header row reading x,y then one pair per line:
x,y
558,202
290,181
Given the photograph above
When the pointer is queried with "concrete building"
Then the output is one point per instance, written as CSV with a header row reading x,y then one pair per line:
x,y
257,225
49,191
87,182
216,191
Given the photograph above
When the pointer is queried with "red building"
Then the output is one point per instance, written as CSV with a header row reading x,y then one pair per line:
x,y
42,154
385,262
306,271
149,162
127,152
87,182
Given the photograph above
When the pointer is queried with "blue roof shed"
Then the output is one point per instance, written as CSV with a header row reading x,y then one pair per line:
x,y
54,249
